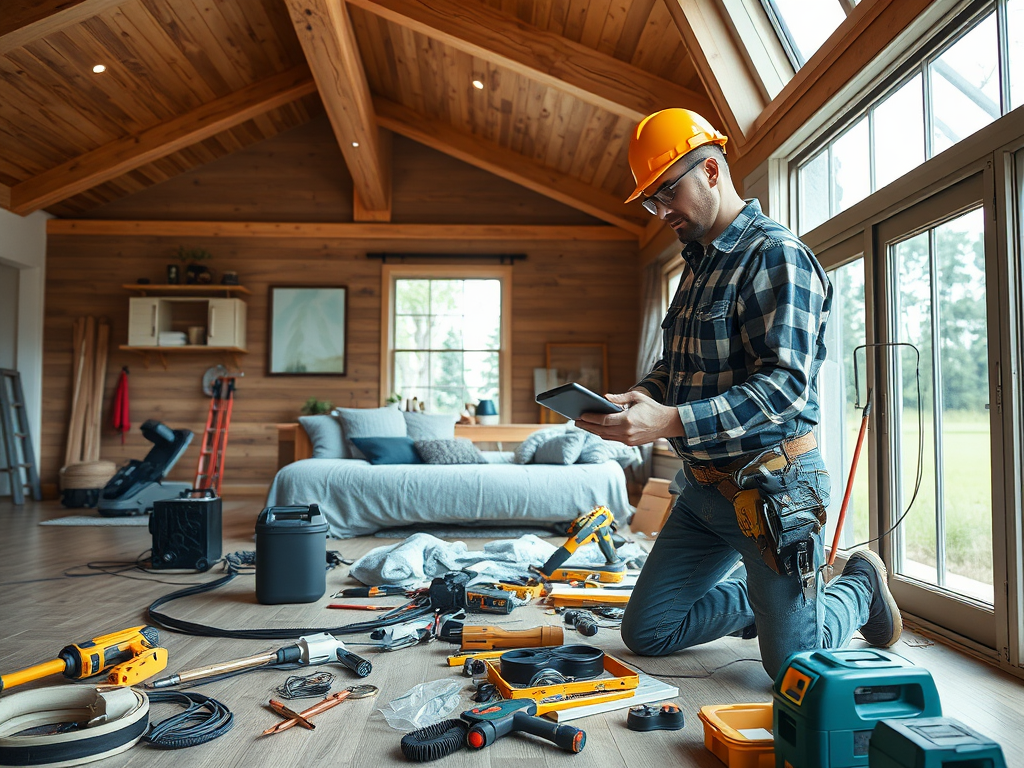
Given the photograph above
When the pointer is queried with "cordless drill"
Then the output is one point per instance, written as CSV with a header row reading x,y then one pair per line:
x,y
597,526
127,654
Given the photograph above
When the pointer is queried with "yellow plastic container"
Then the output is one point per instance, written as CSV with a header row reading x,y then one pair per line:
x,y
722,726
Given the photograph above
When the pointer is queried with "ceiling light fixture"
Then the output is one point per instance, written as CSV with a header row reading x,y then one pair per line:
x,y
99,68
478,84
355,143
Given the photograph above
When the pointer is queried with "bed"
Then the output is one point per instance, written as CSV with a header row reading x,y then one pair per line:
x,y
359,498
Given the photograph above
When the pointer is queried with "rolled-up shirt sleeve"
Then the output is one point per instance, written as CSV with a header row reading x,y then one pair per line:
x,y
780,308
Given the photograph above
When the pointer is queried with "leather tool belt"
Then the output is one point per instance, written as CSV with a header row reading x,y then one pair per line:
x,y
113,718
780,526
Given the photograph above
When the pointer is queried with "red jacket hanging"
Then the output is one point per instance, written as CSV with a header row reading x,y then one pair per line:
x,y
119,412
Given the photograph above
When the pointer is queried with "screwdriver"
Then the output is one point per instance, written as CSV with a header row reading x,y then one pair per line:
x,y
381,591
354,607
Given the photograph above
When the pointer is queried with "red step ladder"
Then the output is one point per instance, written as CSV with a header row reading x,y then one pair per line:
x,y
210,469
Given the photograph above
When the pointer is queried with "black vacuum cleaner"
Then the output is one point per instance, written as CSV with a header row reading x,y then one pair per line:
x,y
138,484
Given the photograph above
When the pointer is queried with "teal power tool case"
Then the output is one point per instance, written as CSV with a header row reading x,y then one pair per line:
x,y
826,704
932,742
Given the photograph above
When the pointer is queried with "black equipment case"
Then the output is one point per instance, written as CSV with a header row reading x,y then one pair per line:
x,y
187,530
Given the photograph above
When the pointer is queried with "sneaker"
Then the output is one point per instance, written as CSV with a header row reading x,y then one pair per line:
x,y
884,624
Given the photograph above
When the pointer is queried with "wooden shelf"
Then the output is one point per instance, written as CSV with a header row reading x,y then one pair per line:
x,y
234,352
200,290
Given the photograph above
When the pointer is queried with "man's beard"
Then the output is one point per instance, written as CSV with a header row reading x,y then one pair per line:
x,y
704,213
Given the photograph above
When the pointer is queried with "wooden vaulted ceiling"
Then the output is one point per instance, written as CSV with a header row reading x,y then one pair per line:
x,y
188,81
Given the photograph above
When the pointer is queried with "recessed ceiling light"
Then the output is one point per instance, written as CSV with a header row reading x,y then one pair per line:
x,y
355,143
99,68
478,85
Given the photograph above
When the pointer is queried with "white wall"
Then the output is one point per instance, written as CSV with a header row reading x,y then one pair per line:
x,y
23,246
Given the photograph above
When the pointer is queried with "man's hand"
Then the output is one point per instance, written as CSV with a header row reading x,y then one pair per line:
x,y
643,421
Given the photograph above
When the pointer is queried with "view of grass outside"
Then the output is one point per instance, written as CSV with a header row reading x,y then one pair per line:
x,y
941,303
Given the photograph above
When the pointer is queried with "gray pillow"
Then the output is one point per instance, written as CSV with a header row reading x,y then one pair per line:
x,y
429,426
597,451
564,449
526,449
325,435
457,451
369,422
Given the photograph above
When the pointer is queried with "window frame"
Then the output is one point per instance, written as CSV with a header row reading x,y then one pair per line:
x,y
392,272
963,19
785,37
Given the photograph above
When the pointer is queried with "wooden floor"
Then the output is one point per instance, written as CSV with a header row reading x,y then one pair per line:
x,y
40,612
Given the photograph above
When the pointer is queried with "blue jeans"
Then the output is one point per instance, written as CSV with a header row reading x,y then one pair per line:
x,y
685,595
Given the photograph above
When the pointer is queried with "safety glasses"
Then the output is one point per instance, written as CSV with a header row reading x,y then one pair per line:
x,y
666,192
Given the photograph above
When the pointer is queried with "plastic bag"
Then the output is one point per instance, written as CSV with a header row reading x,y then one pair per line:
x,y
423,705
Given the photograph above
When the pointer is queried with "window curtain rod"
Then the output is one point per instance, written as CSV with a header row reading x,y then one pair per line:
x,y
511,258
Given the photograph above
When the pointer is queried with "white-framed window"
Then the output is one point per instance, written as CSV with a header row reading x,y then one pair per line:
x,y
802,27
971,74
447,336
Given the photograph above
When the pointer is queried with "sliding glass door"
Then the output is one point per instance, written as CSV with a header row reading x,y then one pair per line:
x,y
939,320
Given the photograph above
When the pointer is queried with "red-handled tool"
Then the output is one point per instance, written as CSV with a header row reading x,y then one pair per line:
x,y
849,480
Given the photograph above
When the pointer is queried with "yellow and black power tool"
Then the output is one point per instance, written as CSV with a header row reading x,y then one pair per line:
x,y
597,525
131,656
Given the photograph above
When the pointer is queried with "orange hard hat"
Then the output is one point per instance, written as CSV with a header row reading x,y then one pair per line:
x,y
661,139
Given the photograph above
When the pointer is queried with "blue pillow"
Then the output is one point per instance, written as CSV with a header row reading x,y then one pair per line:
x,y
429,426
563,449
388,450
369,422
325,435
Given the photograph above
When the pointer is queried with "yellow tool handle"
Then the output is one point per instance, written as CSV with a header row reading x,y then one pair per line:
x,y
142,667
54,667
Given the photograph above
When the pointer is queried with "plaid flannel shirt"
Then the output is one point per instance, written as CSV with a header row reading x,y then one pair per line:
x,y
743,341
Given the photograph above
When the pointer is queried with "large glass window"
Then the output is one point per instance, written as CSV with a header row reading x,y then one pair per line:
x,y
940,307
969,78
446,349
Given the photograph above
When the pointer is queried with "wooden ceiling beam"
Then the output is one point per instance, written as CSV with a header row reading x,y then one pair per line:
x,y
325,32
721,64
130,152
548,58
5,197
287,230
507,164
25,23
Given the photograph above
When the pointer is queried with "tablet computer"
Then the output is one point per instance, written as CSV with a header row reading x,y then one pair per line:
x,y
572,400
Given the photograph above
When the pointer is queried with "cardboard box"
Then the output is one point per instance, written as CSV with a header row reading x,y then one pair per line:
x,y
654,507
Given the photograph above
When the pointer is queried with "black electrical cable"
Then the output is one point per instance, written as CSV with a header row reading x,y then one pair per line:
x,y
203,720
920,431
414,609
306,686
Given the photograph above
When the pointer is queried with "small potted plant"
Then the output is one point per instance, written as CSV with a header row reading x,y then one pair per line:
x,y
394,399
314,407
195,272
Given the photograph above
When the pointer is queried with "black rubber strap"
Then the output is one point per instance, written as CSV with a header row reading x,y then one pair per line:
x,y
581,662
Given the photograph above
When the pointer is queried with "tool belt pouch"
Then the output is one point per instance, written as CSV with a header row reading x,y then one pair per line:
x,y
793,508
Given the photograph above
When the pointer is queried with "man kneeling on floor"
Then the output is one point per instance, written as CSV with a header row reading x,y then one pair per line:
x,y
735,393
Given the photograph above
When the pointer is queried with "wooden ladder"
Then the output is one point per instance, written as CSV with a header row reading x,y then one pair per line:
x,y
16,439
210,468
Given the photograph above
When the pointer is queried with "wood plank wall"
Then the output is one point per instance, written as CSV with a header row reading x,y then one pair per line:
x,y
565,291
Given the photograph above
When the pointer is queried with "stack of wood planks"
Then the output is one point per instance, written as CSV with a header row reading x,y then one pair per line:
x,y
90,345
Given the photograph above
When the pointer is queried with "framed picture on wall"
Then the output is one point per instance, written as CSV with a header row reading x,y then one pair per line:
x,y
586,364
307,331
